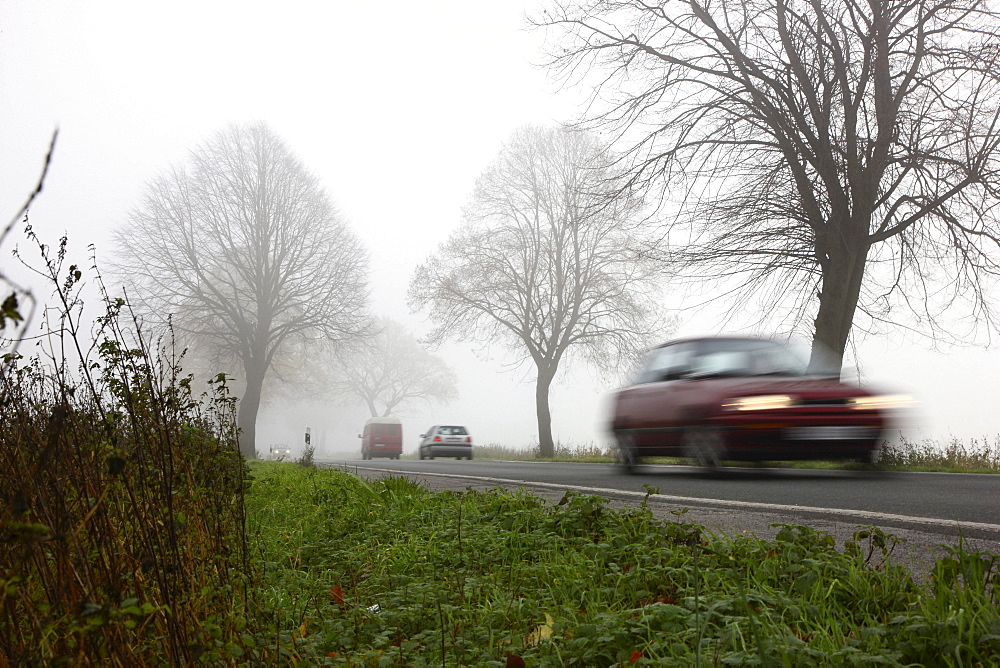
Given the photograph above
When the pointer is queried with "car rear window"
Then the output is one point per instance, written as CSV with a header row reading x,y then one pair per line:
x,y
452,431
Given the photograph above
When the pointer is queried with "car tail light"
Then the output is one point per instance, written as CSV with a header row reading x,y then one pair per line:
x,y
468,439
437,439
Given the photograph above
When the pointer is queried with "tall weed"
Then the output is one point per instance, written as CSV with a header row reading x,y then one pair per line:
x,y
122,519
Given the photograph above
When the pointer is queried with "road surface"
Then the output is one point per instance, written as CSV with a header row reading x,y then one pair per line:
x,y
941,506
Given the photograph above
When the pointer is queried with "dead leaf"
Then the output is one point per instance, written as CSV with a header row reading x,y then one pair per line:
x,y
541,632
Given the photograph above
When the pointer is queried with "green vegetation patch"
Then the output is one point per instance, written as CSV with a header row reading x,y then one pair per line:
x,y
388,573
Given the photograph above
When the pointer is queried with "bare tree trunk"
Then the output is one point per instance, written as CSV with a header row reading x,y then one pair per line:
x,y
838,300
546,447
246,419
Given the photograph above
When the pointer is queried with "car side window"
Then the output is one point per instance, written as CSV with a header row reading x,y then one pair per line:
x,y
666,363
723,362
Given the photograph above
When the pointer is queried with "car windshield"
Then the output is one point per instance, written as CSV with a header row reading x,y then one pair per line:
x,y
745,357
452,431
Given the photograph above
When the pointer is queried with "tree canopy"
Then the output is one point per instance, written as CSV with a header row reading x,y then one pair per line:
x,y
245,249
835,158
544,263
391,370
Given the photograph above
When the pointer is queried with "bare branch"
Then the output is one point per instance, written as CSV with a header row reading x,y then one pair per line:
x,y
847,151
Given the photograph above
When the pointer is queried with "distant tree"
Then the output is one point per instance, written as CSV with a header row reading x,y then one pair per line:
x,y
835,157
392,369
543,264
245,249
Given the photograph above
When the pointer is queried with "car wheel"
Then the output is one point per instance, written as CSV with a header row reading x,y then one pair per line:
x,y
469,458
705,445
628,453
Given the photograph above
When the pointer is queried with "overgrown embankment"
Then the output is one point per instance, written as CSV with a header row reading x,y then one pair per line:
x,y
121,527
122,519
387,573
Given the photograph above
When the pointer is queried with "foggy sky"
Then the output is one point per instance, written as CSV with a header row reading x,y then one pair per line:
x,y
396,107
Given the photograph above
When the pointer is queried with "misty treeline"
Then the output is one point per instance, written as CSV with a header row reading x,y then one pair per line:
x,y
825,167
246,253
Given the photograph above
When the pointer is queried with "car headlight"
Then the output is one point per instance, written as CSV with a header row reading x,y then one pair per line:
x,y
761,402
881,402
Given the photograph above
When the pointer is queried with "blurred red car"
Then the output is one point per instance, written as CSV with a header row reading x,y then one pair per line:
x,y
747,399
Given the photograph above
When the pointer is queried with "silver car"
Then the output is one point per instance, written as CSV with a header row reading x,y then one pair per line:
x,y
280,453
446,441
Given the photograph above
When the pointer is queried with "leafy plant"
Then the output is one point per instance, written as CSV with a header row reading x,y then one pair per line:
x,y
307,457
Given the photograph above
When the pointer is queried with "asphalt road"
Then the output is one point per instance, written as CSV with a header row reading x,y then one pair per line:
x,y
950,505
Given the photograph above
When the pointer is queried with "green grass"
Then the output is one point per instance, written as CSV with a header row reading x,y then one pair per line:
x,y
388,573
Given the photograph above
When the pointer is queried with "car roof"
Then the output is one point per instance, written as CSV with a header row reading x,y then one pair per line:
x,y
721,337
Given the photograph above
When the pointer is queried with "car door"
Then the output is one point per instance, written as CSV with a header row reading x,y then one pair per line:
x,y
648,409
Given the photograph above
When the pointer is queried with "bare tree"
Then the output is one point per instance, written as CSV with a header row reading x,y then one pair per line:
x,y
245,249
391,370
543,264
839,158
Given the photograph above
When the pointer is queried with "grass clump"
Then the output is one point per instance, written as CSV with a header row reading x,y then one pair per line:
x,y
929,455
577,452
387,573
